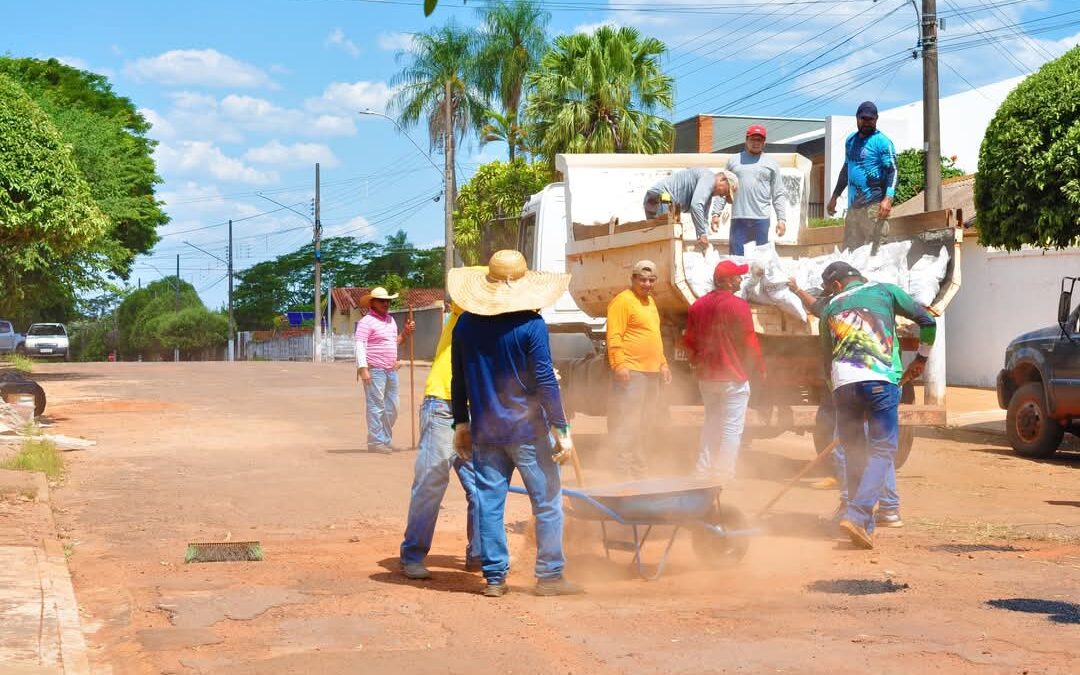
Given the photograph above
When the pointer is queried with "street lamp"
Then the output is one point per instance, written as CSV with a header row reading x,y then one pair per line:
x,y
448,192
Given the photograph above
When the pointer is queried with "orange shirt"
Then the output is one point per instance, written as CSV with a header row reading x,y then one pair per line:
x,y
633,334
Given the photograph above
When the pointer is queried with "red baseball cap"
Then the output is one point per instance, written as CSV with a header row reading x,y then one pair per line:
x,y
728,268
755,130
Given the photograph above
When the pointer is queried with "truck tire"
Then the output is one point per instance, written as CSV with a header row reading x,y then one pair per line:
x,y
10,390
1028,425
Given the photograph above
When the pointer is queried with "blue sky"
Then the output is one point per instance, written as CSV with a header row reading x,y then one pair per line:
x,y
245,96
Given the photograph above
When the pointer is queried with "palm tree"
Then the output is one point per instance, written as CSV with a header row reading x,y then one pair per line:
x,y
504,128
601,93
514,38
439,84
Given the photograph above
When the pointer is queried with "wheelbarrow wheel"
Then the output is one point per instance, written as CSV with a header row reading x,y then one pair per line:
x,y
719,550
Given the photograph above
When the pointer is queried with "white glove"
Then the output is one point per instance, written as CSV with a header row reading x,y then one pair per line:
x,y
463,441
564,444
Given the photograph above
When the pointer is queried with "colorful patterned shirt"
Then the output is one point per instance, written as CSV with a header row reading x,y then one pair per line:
x,y
870,169
858,329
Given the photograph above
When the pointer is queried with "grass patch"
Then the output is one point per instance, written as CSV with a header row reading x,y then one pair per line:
x,y
21,363
979,533
825,222
37,454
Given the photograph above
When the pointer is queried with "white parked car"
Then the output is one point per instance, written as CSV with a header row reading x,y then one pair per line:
x,y
47,340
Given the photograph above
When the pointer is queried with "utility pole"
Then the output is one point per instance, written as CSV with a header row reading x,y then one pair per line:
x,y
232,326
449,197
318,274
931,116
176,306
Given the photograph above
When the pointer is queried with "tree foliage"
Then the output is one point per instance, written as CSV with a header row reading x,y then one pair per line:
x,y
157,319
1027,190
497,191
600,93
268,289
108,141
52,232
910,172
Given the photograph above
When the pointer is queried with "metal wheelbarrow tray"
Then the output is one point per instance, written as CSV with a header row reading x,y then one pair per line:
x,y
720,534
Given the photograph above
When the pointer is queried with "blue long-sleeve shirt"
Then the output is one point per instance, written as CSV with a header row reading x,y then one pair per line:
x,y
869,170
503,379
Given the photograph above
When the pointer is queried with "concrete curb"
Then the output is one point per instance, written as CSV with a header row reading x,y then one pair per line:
x,y
40,630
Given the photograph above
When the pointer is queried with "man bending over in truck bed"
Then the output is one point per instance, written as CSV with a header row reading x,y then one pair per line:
x,y
691,189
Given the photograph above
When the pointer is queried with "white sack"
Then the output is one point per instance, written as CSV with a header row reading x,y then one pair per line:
x,y
926,276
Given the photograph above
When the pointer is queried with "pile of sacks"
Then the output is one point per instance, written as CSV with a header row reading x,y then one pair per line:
x,y
767,281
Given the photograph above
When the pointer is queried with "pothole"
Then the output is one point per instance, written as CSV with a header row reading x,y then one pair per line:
x,y
1057,611
856,586
973,548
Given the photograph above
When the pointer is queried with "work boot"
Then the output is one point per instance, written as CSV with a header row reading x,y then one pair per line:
x,y
888,519
858,534
558,586
415,571
495,590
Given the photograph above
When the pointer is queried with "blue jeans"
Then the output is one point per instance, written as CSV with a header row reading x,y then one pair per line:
x,y
867,424
889,500
633,406
494,465
431,475
725,417
747,229
382,405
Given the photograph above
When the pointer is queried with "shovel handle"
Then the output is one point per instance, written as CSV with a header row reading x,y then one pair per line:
x,y
806,469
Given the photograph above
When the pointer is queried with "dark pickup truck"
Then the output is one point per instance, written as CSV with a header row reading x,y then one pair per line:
x,y
1040,384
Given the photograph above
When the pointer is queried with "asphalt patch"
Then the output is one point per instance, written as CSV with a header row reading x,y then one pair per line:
x,y
974,548
1056,611
856,586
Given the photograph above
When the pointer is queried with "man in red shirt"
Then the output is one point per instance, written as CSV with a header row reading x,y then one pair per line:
x,y
725,353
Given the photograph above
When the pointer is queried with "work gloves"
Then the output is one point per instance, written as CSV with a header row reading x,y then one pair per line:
x,y
564,444
463,441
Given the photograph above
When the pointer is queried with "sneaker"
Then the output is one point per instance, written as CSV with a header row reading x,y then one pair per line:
x,y
558,586
380,449
829,483
397,448
839,514
888,519
415,571
495,590
858,535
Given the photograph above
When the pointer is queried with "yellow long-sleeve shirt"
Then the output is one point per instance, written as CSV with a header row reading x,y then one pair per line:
x,y
438,380
633,334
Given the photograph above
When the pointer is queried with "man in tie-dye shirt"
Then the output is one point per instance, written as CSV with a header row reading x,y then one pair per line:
x,y
864,367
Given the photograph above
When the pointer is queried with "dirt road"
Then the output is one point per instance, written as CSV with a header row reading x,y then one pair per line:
x,y
985,576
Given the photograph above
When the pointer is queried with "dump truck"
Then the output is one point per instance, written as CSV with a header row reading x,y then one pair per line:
x,y
592,225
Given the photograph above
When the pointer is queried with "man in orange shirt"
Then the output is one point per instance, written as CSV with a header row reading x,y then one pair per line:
x,y
636,356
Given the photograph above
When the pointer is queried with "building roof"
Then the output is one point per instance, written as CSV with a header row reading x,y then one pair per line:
x,y
956,193
347,299
730,130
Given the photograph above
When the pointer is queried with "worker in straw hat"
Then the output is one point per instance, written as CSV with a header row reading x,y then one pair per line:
x,y
376,340
507,409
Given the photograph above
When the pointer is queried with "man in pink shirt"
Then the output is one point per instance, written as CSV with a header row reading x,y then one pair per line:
x,y
377,343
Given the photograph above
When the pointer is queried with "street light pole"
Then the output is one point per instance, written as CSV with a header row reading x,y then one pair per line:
x,y
448,181
931,113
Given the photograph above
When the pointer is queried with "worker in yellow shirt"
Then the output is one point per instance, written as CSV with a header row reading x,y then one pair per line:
x,y
638,365
434,459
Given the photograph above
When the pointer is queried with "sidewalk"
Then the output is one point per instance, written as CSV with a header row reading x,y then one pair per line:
x,y
39,616
971,409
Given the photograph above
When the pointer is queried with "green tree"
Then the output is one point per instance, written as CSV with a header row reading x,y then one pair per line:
x,y
1027,189
910,173
109,144
156,319
600,93
513,40
493,199
51,230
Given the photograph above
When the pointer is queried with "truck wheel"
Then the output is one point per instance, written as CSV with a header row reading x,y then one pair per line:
x,y
903,447
1028,425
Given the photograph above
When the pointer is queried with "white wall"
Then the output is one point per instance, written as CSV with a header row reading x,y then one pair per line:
x,y
964,118
1001,296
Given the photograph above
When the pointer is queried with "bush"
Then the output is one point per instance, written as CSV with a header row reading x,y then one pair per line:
x,y
1027,190
910,174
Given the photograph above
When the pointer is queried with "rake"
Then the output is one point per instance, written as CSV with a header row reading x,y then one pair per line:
x,y
224,551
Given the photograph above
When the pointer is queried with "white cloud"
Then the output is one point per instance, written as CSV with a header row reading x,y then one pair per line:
x,y
337,38
187,157
332,125
590,28
161,128
394,42
349,97
297,154
357,226
202,67
228,120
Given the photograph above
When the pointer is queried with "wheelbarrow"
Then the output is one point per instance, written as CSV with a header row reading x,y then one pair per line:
x,y
720,533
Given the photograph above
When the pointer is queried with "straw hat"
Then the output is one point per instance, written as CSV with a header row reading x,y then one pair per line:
x,y
506,286
377,293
